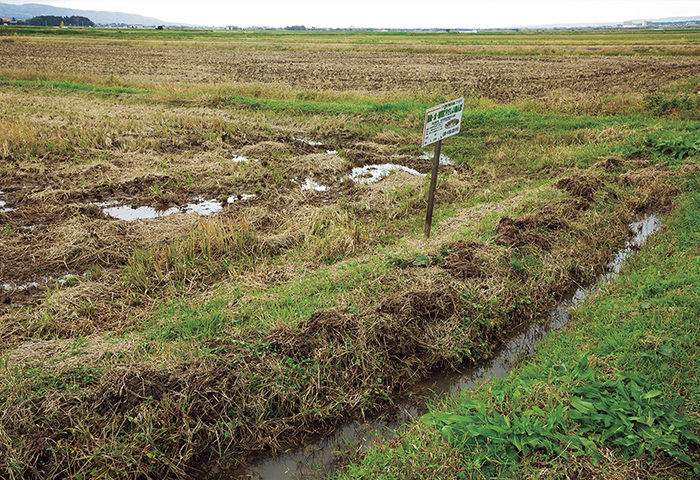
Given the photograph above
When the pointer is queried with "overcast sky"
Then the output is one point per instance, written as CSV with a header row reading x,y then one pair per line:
x,y
388,13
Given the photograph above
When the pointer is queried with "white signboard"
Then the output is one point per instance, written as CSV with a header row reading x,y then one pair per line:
x,y
443,121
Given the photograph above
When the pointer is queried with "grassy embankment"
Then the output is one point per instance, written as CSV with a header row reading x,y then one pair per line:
x,y
615,395
288,313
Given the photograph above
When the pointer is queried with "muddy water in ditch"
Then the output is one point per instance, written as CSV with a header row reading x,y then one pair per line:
x,y
317,459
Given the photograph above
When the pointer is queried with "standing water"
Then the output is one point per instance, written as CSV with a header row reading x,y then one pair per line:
x,y
3,207
317,459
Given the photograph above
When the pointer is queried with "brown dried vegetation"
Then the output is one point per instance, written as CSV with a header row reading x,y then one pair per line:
x,y
82,396
500,78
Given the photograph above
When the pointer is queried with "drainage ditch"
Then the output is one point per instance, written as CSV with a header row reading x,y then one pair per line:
x,y
319,458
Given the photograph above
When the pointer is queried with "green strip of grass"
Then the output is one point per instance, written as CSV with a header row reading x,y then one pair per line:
x,y
296,300
71,87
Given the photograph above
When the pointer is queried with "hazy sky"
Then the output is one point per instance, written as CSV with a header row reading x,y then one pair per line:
x,y
388,13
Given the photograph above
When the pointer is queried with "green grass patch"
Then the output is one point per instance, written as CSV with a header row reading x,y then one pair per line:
x,y
26,382
181,320
679,146
71,87
293,301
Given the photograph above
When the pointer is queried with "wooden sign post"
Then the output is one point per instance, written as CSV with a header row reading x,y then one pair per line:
x,y
441,122
431,192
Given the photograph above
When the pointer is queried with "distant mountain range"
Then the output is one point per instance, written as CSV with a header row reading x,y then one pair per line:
x,y
29,10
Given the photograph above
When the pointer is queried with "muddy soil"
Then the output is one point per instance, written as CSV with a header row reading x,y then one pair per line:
x,y
63,218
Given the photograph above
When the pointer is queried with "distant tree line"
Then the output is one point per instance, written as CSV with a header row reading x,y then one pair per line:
x,y
55,21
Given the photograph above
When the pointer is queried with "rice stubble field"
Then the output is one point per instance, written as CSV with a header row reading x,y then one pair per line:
x,y
287,289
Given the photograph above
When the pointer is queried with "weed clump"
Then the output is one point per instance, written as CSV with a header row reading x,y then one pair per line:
x,y
519,233
580,185
461,261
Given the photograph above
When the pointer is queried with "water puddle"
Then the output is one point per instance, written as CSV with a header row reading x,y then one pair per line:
x,y
642,228
40,283
242,159
240,196
31,228
314,143
130,213
3,204
364,175
201,206
311,185
10,287
444,159
308,461
308,142
374,173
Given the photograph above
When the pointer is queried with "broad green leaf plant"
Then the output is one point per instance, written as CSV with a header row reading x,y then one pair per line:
x,y
625,413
